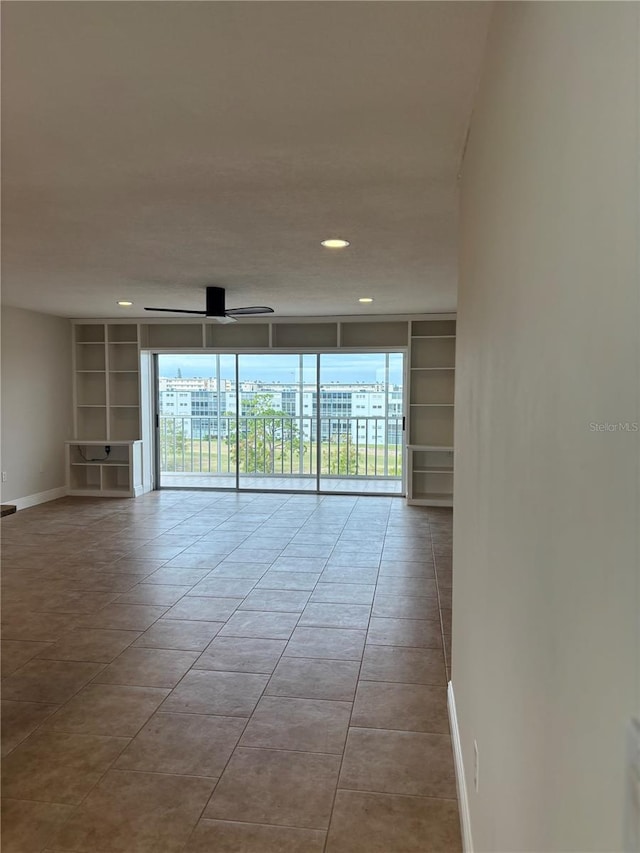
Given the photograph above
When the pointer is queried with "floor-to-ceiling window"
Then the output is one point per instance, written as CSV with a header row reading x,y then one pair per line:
x,y
281,421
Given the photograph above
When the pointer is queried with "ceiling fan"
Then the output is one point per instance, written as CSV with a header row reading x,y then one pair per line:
x,y
215,308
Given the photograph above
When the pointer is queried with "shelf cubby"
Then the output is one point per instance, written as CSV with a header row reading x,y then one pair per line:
x,y
433,328
432,387
123,356
237,335
124,423
122,333
374,334
433,352
90,333
180,335
305,335
90,389
123,389
90,356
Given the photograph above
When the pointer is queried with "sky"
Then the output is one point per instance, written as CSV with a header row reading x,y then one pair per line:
x,y
279,367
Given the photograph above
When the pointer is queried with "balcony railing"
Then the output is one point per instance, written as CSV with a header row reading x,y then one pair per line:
x,y
282,446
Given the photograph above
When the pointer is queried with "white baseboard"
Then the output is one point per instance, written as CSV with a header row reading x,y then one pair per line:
x,y
461,782
39,498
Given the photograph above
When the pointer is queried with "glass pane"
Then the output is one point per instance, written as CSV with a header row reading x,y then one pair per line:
x,y
275,436
196,395
361,408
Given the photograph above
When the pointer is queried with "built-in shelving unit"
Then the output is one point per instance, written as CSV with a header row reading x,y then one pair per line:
x,y
106,360
107,384
431,405
107,381
104,469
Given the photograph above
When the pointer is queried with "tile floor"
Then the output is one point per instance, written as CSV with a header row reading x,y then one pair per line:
x,y
190,672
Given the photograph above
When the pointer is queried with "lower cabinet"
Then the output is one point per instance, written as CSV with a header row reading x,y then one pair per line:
x,y
104,469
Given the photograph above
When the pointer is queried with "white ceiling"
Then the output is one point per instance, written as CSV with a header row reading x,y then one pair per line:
x,y
151,148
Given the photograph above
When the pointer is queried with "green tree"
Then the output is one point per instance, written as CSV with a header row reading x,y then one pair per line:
x,y
339,455
264,439
172,443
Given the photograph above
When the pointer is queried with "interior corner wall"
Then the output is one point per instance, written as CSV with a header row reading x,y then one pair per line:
x,y
36,402
546,657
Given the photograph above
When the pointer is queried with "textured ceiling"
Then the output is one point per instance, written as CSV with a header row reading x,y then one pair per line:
x,y
151,148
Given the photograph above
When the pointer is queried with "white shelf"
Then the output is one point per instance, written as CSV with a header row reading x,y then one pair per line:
x,y
432,368
445,469
433,337
432,404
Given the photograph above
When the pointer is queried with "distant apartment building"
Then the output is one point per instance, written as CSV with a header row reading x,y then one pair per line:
x,y
365,413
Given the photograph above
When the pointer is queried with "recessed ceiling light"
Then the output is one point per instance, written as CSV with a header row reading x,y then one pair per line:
x,y
334,243
365,299
124,303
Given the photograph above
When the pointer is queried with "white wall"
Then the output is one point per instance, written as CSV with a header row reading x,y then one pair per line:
x,y
36,402
546,656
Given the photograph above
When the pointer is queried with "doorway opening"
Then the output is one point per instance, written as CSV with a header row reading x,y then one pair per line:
x,y
312,422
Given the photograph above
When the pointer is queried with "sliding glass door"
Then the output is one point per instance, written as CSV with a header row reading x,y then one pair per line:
x,y
361,422
281,422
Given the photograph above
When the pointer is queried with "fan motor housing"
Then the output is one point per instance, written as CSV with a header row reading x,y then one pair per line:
x,y
215,302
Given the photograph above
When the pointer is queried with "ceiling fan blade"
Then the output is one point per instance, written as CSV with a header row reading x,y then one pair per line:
x,y
224,319
176,311
252,309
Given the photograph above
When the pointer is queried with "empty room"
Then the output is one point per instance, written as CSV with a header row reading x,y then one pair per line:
x,y
320,458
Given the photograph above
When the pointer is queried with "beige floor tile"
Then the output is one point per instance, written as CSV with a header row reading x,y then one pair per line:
x,y
107,709
177,576
407,707
299,564
15,653
406,607
400,569
314,679
251,623
305,581
416,633
327,643
411,666
38,627
335,615
141,812
152,593
232,837
349,574
390,585
194,561
27,826
387,823
20,719
51,682
179,634
305,725
393,762
241,654
204,608
183,744
343,593
276,787
148,667
123,617
233,694
223,587
58,767
89,644
282,600
247,570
